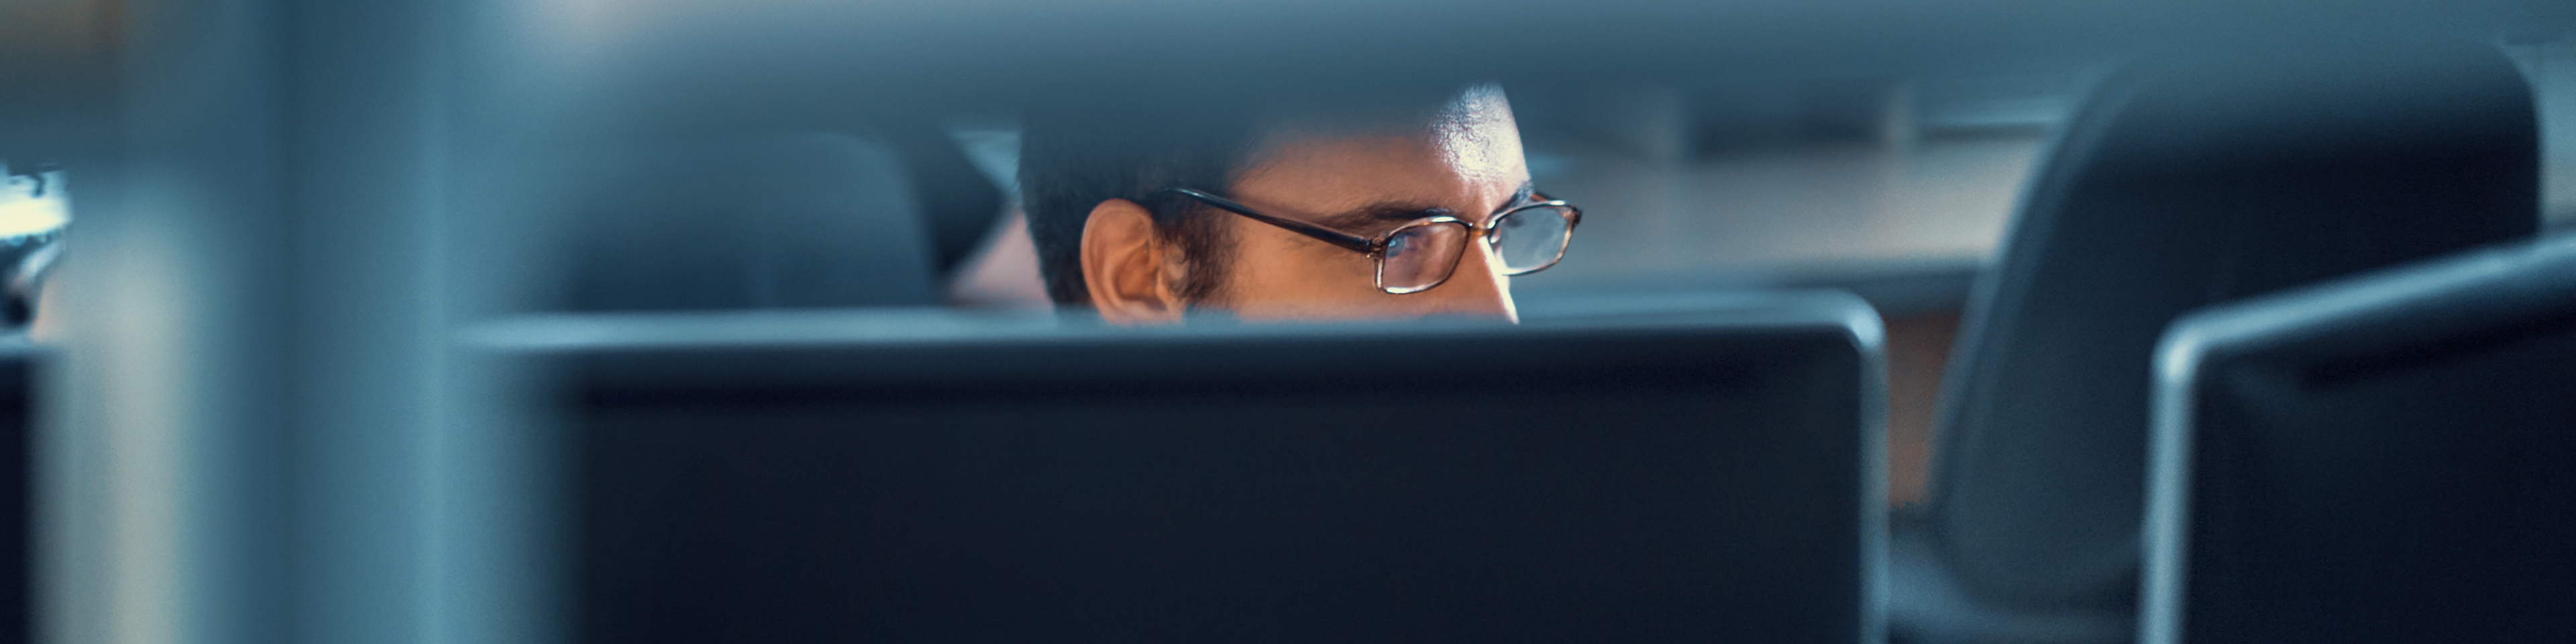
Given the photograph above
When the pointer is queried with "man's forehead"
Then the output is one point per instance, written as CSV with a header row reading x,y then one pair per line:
x,y
1478,138
1471,130
1382,113
1451,151
1428,163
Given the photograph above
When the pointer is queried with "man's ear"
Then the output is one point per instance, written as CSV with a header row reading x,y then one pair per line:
x,y
1122,264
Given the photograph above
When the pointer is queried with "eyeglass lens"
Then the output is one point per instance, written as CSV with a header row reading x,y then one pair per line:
x,y
1421,256
1530,238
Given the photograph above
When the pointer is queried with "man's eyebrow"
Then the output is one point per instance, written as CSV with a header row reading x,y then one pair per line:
x,y
1377,215
1373,216
1520,196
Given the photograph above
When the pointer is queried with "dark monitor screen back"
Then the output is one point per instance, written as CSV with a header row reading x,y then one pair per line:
x,y
2406,478
17,411
1492,484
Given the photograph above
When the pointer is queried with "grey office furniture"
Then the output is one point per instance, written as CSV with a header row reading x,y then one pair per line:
x,y
2188,179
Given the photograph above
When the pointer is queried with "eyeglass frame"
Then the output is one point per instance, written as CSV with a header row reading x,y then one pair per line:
x,y
1375,248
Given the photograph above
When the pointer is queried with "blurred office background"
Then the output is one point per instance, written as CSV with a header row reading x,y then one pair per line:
x,y
1894,181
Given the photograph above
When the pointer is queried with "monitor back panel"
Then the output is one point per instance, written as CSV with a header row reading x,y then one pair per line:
x,y
1639,485
2406,473
17,421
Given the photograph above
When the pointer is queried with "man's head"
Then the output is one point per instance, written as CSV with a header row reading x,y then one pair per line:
x,y
1110,235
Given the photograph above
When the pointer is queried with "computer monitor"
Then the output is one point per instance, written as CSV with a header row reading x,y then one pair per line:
x,y
17,410
1602,473
2391,458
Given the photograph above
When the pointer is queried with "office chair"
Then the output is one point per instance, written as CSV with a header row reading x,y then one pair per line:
x,y
2187,179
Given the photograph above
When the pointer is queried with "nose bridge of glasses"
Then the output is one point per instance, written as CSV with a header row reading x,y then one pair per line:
x,y
1477,284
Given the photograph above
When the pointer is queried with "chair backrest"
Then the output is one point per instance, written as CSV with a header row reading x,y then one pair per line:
x,y
2189,180
2385,459
771,221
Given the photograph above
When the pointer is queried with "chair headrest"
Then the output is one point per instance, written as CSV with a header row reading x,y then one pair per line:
x,y
2191,179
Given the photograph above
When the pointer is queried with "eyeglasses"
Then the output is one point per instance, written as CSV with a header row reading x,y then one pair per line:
x,y
1422,253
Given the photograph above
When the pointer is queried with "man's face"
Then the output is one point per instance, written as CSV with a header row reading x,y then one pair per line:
x,y
1468,165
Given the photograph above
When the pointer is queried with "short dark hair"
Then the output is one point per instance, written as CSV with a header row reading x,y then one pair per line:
x,y
1073,158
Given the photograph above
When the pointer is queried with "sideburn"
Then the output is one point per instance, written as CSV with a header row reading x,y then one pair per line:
x,y
1206,246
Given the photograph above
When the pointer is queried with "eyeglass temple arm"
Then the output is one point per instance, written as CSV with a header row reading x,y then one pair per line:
x,y
1327,235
